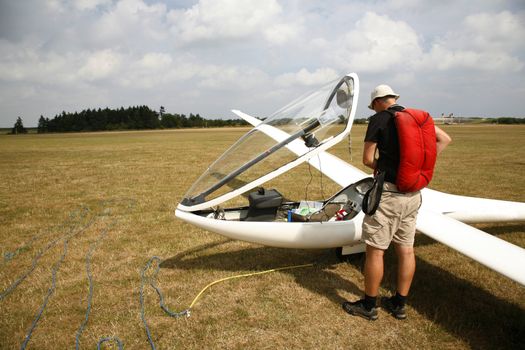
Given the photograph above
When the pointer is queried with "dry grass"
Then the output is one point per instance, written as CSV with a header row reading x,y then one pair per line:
x,y
129,183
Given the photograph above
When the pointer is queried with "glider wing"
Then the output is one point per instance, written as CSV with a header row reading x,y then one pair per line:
x,y
497,254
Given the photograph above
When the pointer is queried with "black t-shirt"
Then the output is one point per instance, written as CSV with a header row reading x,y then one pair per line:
x,y
382,130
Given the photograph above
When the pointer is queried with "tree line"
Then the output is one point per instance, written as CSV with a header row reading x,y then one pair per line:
x,y
131,118
507,120
142,117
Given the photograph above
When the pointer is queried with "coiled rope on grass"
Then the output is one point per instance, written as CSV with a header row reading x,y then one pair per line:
x,y
72,233
186,312
80,213
110,339
56,266
89,256
50,291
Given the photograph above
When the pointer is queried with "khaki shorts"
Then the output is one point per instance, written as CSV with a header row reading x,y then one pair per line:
x,y
394,219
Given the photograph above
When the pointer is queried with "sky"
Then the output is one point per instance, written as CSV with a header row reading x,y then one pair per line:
x,y
210,56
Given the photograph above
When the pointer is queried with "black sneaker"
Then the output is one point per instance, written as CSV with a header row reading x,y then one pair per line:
x,y
357,308
397,311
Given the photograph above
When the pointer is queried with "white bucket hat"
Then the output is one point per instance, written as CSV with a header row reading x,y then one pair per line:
x,y
381,91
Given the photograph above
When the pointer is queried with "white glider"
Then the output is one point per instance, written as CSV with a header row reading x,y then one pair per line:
x,y
290,137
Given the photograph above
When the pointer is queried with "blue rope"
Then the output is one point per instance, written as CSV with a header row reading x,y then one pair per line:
x,y
161,297
110,339
50,291
141,299
67,237
89,255
50,245
81,213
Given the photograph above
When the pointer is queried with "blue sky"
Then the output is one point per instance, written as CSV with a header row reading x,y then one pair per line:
x,y
210,56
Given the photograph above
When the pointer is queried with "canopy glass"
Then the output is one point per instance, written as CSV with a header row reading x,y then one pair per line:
x,y
300,127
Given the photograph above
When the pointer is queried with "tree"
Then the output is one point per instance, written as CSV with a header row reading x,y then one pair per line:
x,y
42,124
19,127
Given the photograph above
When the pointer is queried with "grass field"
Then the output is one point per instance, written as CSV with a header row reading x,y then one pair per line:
x,y
98,206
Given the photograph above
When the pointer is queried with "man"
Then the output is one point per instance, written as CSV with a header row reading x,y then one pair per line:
x,y
395,218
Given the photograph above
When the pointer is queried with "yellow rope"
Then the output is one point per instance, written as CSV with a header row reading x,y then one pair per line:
x,y
246,275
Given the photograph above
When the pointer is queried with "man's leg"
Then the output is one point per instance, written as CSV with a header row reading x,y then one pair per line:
x,y
366,307
405,273
404,244
406,268
373,270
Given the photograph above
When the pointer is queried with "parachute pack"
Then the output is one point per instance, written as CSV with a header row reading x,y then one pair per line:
x,y
417,149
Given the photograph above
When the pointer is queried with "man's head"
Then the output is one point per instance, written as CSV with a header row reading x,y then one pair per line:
x,y
382,97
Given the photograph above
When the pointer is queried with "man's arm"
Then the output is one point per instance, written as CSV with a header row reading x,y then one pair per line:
x,y
369,155
442,140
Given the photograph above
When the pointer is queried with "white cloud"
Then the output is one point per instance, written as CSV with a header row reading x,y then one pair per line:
x,y
101,65
22,64
445,59
231,19
306,78
90,4
232,78
131,23
55,6
483,42
505,31
403,4
156,70
378,44
156,61
281,33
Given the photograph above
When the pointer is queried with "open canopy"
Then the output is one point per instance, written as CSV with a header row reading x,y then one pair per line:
x,y
317,120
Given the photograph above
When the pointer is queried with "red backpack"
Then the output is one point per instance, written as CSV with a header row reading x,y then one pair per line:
x,y
417,149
